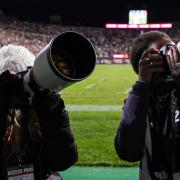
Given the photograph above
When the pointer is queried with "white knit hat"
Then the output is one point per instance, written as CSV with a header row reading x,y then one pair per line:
x,y
15,58
178,46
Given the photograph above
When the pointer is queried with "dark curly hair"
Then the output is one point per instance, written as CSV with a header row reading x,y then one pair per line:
x,y
143,42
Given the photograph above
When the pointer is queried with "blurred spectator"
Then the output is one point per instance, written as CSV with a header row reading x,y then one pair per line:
x,y
107,42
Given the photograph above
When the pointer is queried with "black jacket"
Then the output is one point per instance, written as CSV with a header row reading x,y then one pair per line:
x,y
56,150
149,132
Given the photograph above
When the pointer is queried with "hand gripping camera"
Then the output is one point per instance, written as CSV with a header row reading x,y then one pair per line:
x,y
67,59
166,52
169,56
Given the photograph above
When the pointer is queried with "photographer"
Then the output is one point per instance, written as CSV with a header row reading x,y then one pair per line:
x,y
36,140
149,130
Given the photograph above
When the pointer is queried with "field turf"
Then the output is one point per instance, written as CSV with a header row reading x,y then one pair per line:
x,y
95,118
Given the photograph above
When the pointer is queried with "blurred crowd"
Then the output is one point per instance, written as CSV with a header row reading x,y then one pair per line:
x,y
107,42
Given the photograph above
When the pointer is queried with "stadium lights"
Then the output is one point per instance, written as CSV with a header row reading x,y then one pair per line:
x,y
138,26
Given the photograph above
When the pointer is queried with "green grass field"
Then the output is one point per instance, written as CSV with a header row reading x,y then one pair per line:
x,y
95,128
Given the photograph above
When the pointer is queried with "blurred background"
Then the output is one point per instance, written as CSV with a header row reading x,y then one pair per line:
x,y
94,104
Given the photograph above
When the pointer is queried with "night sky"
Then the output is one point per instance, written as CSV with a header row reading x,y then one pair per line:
x,y
92,12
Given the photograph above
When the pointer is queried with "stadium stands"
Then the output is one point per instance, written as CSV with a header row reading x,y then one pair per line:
x,y
107,42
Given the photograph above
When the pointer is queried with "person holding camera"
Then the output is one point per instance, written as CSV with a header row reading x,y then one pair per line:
x,y
36,140
149,130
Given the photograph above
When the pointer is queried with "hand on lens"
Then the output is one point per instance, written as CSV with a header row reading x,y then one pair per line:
x,y
151,61
47,99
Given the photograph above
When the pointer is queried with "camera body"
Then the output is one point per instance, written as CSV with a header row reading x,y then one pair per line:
x,y
166,54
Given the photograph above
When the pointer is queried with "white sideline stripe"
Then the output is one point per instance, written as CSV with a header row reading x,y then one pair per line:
x,y
127,90
101,80
94,107
90,86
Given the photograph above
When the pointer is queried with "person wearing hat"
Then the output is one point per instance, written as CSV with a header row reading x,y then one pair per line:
x,y
36,140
